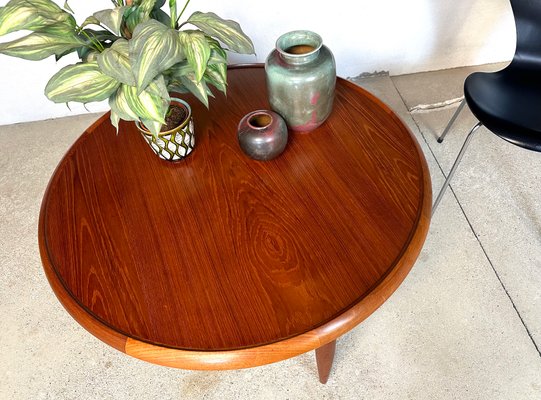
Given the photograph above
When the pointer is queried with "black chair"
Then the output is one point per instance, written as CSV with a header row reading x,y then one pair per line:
x,y
508,102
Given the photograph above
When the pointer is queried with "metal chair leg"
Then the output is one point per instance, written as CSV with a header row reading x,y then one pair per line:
x,y
455,165
452,121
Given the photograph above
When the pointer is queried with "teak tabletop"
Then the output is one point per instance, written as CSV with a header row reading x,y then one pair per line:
x,y
220,261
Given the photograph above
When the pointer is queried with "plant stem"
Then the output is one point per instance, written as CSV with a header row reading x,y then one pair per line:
x,y
97,45
173,12
182,12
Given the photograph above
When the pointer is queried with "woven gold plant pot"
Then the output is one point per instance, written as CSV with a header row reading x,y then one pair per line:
x,y
176,144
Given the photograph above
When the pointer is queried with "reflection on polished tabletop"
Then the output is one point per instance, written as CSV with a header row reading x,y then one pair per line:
x,y
220,261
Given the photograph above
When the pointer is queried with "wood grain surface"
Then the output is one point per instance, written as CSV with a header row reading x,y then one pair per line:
x,y
220,261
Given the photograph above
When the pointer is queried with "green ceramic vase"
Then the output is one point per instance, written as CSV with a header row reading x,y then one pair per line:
x,y
301,77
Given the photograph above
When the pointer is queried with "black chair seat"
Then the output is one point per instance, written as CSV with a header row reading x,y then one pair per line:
x,y
508,103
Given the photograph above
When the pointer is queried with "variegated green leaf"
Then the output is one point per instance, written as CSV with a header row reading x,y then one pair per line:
x,y
61,30
153,126
82,83
153,49
67,7
101,35
158,4
145,105
182,79
177,87
112,19
44,5
197,51
92,20
131,110
161,16
216,75
217,54
32,15
115,62
158,88
91,56
83,53
227,31
40,45
180,69
115,119
120,107
138,13
131,18
146,5
198,88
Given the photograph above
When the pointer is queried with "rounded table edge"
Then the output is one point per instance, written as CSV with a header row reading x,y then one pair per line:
x,y
260,355
77,311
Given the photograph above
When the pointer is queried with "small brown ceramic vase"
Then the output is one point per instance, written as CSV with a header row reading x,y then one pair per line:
x,y
262,135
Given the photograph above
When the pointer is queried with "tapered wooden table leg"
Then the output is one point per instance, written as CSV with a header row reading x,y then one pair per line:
x,y
324,358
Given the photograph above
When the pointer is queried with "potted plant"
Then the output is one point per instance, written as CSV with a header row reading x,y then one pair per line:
x,y
134,54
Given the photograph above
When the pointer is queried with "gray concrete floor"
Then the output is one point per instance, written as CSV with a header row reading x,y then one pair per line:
x,y
465,324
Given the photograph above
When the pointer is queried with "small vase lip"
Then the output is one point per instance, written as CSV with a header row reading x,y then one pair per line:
x,y
259,113
186,120
295,38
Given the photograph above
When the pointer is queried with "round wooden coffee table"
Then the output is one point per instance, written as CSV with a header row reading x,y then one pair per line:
x,y
223,262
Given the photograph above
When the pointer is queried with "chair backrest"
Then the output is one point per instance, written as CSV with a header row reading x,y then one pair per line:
x,y
528,24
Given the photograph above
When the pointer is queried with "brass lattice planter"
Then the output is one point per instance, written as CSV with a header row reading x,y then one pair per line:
x,y
176,144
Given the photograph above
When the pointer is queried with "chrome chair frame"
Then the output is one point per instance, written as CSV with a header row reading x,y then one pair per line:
x,y
460,154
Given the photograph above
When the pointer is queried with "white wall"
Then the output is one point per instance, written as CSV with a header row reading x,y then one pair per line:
x,y
365,36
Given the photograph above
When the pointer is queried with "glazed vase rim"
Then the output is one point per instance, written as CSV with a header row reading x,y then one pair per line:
x,y
266,113
299,37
